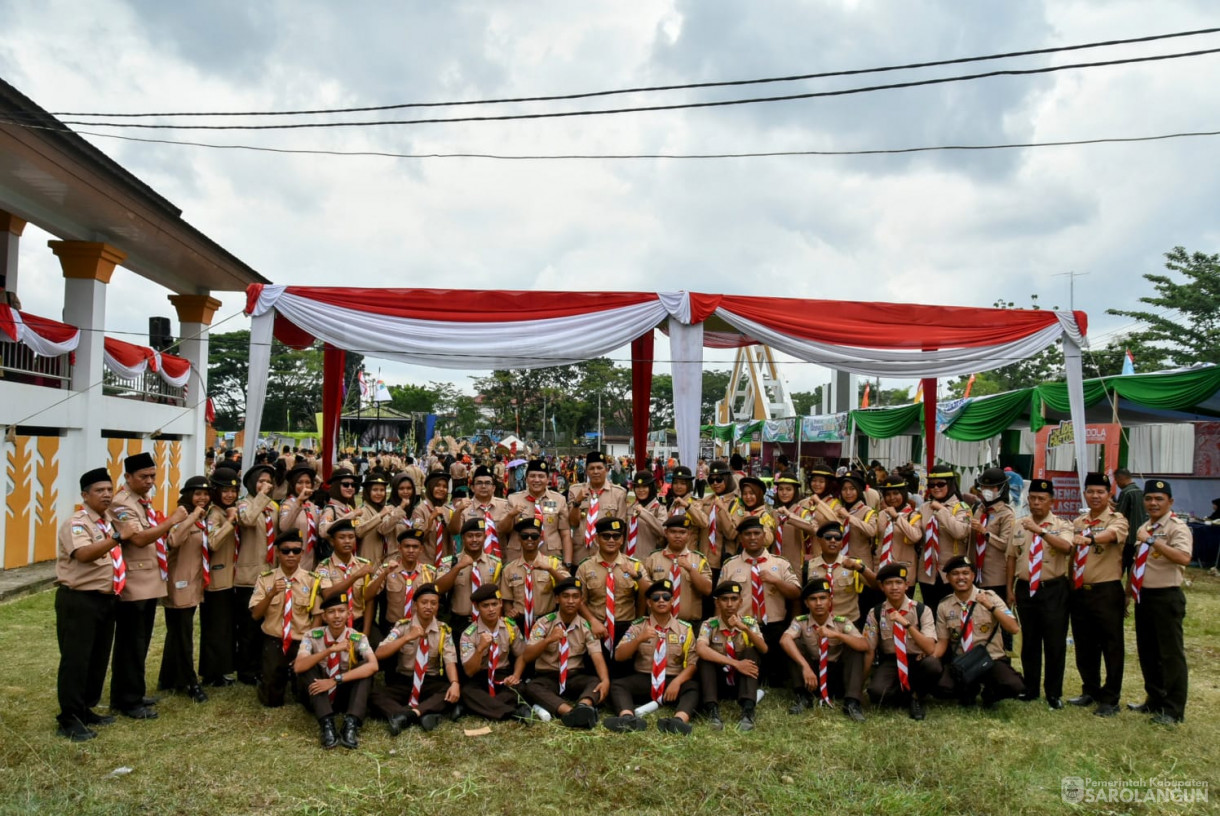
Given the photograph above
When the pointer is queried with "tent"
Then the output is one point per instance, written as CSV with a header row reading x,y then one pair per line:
x,y
484,329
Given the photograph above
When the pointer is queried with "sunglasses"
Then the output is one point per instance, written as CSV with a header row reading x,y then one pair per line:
x,y
715,479
292,551
938,484
611,536
662,596
832,538
347,484
530,537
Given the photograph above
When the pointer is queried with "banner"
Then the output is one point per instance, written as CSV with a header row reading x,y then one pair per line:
x,y
824,428
779,430
947,412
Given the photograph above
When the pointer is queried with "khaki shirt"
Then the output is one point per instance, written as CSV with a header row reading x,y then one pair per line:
x,y
252,514
861,534
845,584
908,531
592,574
459,596
804,632
507,635
649,527
554,511
1104,561
661,565
949,621
739,570
375,538
419,519
440,647
1001,524
398,581
335,572
679,646
334,511
611,502
580,641
293,519
499,509
726,526
306,588
84,528
953,519
144,580
792,540
512,585
222,541
717,635
358,650
1159,571
1055,563
185,589
881,635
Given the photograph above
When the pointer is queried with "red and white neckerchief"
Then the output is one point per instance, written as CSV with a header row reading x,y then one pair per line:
x,y
154,518
440,540
847,529
713,533
269,531
931,549
476,581
529,597
659,661
968,626
563,655
830,578
421,668
675,577
609,605
1082,554
591,518
119,579
408,591
1141,562
538,516
900,652
491,538
206,554
756,589
351,596
493,663
980,545
311,528
730,651
779,535
286,627
887,543
633,535
332,663
823,667
1035,562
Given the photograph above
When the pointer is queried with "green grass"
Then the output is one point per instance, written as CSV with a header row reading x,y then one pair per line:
x,y
232,756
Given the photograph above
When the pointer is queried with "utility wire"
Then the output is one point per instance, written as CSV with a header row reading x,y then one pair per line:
x,y
656,88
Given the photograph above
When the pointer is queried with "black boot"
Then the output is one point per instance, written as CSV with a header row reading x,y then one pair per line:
x,y
350,736
746,723
326,730
399,723
712,712
802,702
851,707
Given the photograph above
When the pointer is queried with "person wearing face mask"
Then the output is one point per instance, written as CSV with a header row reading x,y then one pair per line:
x,y
946,525
992,526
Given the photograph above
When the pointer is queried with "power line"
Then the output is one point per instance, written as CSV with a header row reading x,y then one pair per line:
x,y
658,88
655,108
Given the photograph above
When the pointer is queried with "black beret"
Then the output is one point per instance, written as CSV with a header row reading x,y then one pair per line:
x,y
340,526
815,586
642,479
434,476
487,592
290,537
595,457
830,527
1042,486
683,472
677,520
195,483
537,466
335,600
412,533
426,589
893,569
719,468
571,582
956,562
474,525
223,477
1158,486
609,524
664,585
141,461
250,479
94,476
752,480
727,588
749,523
482,471
530,522
1097,480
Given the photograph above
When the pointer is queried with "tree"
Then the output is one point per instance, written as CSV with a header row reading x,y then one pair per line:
x,y
410,399
715,383
662,404
1044,366
806,401
1185,329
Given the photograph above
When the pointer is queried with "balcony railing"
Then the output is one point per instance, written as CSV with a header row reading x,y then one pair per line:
x,y
148,387
18,363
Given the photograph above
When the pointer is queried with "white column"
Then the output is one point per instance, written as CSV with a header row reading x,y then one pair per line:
x,y
11,228
195,314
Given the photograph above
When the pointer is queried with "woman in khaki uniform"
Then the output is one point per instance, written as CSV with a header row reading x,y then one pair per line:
x,y
298,512
649,514
217,645
257,520
900,523
188,552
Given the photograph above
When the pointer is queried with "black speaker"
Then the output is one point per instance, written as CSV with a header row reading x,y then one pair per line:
x,y
158,333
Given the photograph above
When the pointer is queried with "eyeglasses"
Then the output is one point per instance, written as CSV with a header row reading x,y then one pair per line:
x,y
662,596
938,484
611,536
530,537
291,551
715,479
347,484
832,538
483,483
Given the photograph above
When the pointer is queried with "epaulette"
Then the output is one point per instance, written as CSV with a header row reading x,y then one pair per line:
x,y
512,624
583,560
551,617
839,618
638,620
265,573
355,636
402,621
314,575
633,559
495,558
317,633
801,618
471,629
683,623
360,560
713,622
444,627
749,620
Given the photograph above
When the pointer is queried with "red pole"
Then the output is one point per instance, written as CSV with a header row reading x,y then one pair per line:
x,y
929,422
641,394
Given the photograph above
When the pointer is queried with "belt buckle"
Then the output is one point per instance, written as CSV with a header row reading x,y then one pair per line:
x,y
1086,586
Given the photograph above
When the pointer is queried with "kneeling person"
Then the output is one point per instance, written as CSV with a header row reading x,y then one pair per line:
x,y
427,662
337,664
558,645
833,645
729,647
901,636
488,647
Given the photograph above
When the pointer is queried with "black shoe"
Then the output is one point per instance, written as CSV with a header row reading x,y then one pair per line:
x,y
93,718
398,724
150,701
429,722
802,702
712,712
523,714
625,723
196,693
582,716
139,713
746,723
349,737
1106,710
1139,708
1027,696
457,712
76,731
1165,719
916,709
852,709
221,682
673,725
1054,703
1082,700
327,736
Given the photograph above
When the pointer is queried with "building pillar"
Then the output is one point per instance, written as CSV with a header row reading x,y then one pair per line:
x,y
11,228
195,313
87,267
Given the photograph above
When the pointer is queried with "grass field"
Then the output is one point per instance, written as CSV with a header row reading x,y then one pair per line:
x,y
232,756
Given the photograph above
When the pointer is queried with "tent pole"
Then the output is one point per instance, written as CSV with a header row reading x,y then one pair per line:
x,y
929,422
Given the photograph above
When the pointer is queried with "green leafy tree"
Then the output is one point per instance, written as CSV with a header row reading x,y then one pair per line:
x,y
806,401
1184,329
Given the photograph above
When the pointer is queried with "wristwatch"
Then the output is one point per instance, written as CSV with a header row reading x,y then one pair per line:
x,y
338,678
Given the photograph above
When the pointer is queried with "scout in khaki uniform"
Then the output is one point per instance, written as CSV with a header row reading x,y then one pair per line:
x,y
860,527
89,573
426,669
558,646
1038,560
826,653
527,583
402,506
1097,602
548,507
1163,548
432,515
752,503
909,677
487,507
492,652
257,517
398,579
374,528
218,612
336,665
847,576
823,498
899,529
686,569
288,588
590,503
347,574
144,533
609,584
794,533
189,576
663,650
298,512
713,516
967,620
946,526
992,526
342,486
729,647
463,574
645,517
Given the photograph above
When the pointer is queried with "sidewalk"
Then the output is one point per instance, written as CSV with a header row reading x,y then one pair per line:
x,y
22,581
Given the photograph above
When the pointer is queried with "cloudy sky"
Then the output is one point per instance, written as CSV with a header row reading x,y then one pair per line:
x,y
952,227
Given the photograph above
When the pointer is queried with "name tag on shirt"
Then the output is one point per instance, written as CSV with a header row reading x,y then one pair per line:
x,y
181,584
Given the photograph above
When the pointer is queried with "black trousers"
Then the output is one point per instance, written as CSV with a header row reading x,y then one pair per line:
x,y
247,635
933,594
84,628
774,664
614,667
635,689
1097,629
277,671
868,599
1044,626
178,659
391,700
217,641
1002,592
133,628
844,675
714,681
477,699
1162,654
885,688
1000,682
351,698
543,690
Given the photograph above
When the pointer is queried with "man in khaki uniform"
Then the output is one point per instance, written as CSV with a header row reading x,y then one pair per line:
x,y
336,665
492,652
609,574
847,576
427,683
686,569
915,624
398,578
1041,546
347,574
967,620
527,583
548,507
590,503
558,644
485,506
810,637
144,533
88,569
729,649
462,574
1097,602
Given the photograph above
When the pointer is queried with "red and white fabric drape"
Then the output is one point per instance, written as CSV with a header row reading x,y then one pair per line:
x,y
130,361
44,337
